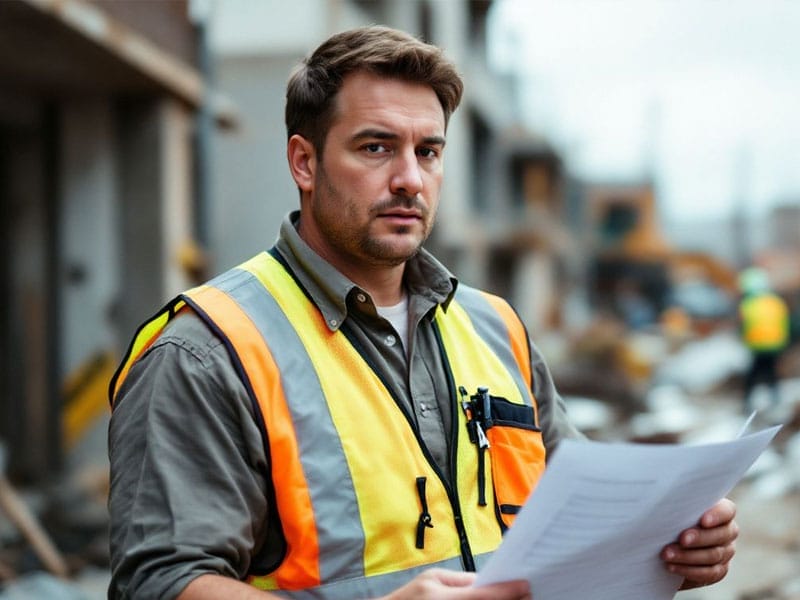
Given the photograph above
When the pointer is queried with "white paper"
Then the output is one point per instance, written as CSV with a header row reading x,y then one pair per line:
x,y
601,514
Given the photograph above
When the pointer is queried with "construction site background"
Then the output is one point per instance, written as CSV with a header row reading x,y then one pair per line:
x,y
134,163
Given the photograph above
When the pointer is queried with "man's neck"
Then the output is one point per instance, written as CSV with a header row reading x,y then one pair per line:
x,y
384,283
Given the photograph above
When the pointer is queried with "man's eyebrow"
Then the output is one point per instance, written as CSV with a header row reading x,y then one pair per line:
x,y
434,140
374,134
381,134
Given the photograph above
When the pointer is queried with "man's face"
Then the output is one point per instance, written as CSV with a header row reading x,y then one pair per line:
x,y
376,187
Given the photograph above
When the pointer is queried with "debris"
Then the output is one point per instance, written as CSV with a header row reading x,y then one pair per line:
x,y
41,585
702,365
22,518
669,417
589,415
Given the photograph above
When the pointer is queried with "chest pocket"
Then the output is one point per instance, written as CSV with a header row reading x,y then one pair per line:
x,y
516,453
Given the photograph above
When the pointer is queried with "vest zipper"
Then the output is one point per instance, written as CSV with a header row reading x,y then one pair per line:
x,y
424,515
467,560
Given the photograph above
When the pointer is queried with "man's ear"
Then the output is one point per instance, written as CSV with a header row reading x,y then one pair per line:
x,y
302,162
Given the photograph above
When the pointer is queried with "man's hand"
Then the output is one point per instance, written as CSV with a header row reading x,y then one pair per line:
x,y
435,584
702,553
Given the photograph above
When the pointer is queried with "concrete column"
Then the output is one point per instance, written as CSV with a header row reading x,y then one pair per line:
x,y
24,356
448,29
89,252
532,292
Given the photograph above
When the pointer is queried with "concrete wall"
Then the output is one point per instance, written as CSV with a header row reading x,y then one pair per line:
x,y
89,255
252,186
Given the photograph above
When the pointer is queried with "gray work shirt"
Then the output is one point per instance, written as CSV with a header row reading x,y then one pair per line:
x,y
190,492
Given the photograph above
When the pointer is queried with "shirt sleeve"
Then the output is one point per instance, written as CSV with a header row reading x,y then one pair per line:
x,y
553,419
188,488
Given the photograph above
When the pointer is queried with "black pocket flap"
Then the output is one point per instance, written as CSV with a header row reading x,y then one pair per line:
x,y
510,414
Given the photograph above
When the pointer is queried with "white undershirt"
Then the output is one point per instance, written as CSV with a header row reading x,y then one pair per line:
x,y
397,315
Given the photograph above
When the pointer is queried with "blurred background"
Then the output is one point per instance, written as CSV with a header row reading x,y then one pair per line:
x,y
614,168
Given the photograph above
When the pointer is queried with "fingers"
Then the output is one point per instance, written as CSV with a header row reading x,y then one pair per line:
x,y
714,555
702,554
722,512
442,584
451,578
699,566
694,577
509,590
697,537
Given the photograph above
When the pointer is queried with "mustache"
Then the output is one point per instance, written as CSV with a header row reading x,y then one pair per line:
x,y
399,201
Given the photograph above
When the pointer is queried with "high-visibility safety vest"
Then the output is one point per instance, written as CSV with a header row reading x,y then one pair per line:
x,y
765,322
363,507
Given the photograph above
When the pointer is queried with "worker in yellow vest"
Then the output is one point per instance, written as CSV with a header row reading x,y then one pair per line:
x,y
765,329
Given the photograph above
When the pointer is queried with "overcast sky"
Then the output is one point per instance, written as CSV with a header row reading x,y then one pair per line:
x,y
704,93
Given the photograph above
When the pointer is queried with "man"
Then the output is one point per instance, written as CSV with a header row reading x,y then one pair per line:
x,y
317,421
765,329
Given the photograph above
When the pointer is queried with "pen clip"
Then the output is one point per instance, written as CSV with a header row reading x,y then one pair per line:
x,y
483,441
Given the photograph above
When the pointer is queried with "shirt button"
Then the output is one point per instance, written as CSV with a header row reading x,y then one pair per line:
x,y
390,340
361,298
333,322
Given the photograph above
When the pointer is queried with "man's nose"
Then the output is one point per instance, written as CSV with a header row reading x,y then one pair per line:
x,y
406,175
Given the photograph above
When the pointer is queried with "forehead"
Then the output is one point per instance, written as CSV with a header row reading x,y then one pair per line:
x,y
385,101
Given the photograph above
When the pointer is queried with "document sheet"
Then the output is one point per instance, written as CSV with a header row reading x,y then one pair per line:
x,y
602,512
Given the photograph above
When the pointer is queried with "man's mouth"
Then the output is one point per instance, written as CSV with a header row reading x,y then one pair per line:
x,y
401,214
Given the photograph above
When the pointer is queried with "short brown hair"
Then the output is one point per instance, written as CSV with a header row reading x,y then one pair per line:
x,y
382,51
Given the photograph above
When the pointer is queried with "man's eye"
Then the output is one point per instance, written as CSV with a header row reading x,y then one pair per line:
x,y
375,148
428,152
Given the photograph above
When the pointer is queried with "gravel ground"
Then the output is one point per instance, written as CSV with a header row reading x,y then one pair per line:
x,y
767,561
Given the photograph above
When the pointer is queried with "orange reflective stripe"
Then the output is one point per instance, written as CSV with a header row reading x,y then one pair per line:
x,y
517,337
293,502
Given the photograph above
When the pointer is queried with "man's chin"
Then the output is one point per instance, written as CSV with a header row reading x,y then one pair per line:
x,y
393,251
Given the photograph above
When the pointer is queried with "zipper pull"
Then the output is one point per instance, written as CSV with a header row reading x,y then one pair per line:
x,y
425,519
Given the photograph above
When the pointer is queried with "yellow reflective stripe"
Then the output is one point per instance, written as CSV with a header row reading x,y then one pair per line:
x,y
264,582
144,338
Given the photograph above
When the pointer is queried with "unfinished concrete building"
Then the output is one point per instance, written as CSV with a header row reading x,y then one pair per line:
x,y
98,120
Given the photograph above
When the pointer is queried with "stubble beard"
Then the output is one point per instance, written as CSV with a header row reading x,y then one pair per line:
x,y
359,243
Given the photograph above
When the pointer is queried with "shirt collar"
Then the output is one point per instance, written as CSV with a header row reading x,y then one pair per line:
x,y
425,277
